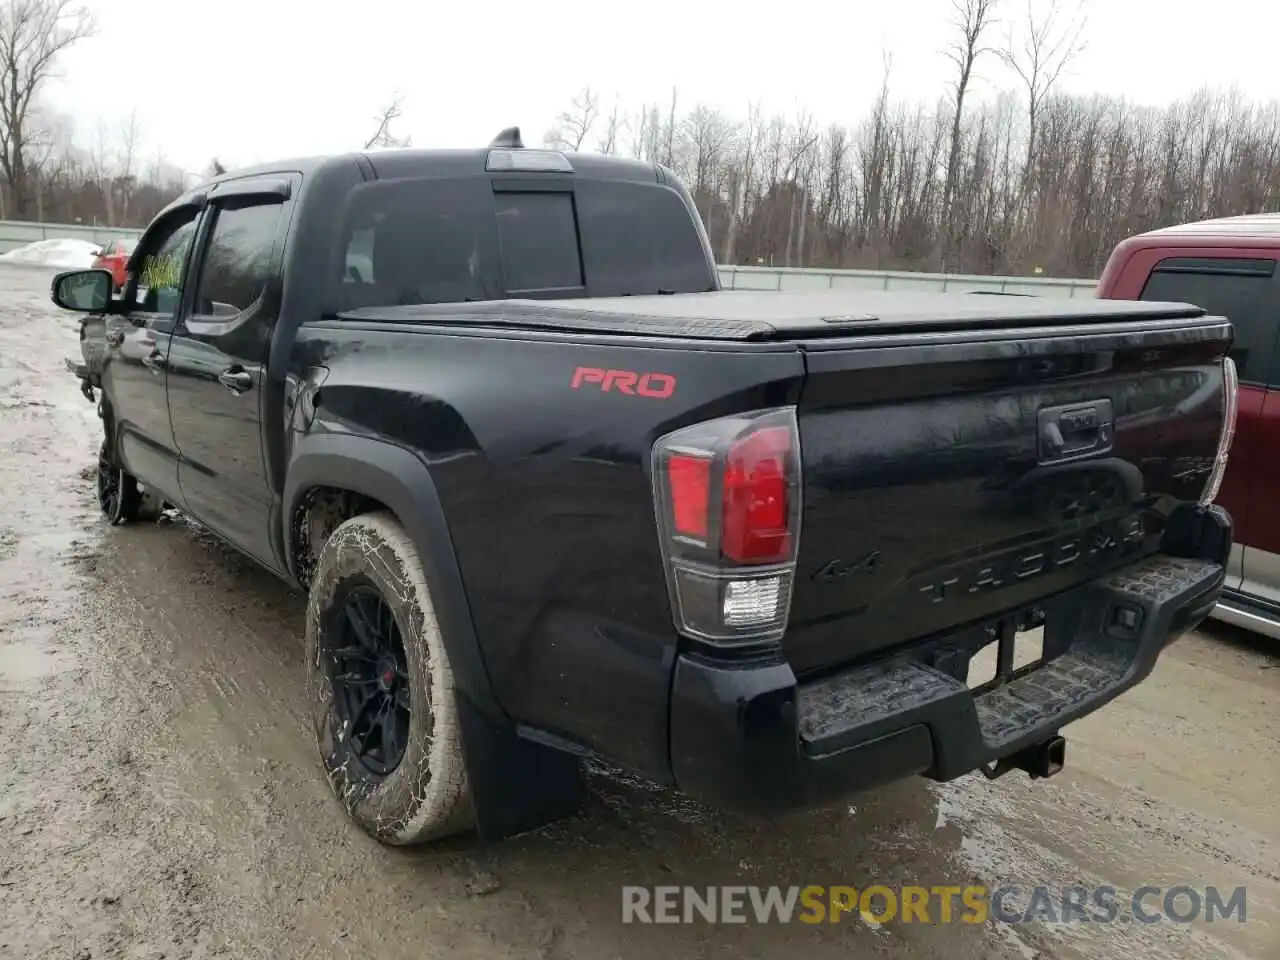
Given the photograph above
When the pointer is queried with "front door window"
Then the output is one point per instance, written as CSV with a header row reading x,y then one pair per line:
x,y
162,272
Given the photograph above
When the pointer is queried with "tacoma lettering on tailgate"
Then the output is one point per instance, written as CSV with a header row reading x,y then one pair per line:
x,y
1087,547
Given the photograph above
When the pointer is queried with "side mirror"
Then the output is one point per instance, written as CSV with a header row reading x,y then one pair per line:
x,y
85,291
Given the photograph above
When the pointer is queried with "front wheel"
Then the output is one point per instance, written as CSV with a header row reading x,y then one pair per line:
x,y
119,497
381,687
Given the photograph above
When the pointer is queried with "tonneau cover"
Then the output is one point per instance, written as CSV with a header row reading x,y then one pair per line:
x,y
782,315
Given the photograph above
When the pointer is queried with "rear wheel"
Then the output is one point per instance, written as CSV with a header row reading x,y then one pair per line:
x,y
381,687
120,498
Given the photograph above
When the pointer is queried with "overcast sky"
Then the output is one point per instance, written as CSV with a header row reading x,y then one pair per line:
x,y
250,80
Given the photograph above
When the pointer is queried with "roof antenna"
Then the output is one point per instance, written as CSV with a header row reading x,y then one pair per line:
x,y
508,139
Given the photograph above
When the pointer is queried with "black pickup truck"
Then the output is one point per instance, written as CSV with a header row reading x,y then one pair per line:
x,y
555,496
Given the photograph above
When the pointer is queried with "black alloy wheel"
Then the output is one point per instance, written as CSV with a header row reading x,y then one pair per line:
x,y
109,486
380,687
370,679
119,498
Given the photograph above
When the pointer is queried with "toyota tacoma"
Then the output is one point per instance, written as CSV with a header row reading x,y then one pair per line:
x,y
554,495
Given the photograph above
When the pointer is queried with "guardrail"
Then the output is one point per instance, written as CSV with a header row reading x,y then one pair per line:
x,y
14,233
797,278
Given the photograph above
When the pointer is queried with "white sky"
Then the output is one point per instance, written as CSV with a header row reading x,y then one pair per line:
x,y
250,80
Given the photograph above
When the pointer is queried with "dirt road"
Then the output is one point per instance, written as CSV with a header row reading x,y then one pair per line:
x,y
160,796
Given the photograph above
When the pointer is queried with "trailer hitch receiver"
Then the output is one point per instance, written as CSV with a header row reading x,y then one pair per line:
x,y
1040,761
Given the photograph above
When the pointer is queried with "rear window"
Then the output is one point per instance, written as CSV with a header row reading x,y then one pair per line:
x,y
639,238
447,241
1242,290
538,235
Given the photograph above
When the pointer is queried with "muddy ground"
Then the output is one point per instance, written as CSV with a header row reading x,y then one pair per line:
x,y
160,795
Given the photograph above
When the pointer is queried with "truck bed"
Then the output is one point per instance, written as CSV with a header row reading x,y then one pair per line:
x,y
751,315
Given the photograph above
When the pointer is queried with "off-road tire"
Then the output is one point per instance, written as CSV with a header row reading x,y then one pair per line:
x,y
120,498
426,796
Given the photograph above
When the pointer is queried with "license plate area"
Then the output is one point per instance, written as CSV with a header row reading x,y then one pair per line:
x,y
1015,648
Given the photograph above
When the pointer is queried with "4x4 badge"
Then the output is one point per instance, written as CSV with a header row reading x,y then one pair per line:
x,y
837,569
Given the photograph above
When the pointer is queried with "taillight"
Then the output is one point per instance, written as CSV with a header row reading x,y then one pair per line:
x,y
728,501
1230,405
689,479
755,526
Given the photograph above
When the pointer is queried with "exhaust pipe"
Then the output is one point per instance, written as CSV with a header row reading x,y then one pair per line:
x,y
1040,761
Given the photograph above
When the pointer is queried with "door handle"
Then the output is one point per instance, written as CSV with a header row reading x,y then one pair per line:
x,y
154,362
236,379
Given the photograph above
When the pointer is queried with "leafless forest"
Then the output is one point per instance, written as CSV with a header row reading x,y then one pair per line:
x,y
1024,181
51,171
1004,174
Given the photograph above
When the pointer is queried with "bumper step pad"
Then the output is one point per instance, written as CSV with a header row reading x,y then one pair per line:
x,y
1120,623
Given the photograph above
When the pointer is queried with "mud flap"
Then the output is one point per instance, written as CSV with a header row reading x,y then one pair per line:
x,y
516,785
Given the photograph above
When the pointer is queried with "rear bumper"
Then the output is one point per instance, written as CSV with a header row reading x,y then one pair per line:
x,y
749,737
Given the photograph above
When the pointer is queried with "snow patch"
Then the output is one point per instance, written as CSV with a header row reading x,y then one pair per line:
x,y
63,254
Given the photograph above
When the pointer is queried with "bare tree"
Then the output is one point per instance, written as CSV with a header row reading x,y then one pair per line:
x,y
798,173
102,163
646,144
907,185
382,137
130,135
709,135
33,34
741,180
573,126
47,136
970,19
669,152
1046,47
614,127
875,159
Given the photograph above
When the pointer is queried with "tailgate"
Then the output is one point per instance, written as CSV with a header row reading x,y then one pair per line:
x,y
951,479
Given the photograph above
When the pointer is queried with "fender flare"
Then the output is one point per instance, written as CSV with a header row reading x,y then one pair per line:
x,y
399,479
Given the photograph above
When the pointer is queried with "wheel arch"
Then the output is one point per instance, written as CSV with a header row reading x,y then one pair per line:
x,y
398,480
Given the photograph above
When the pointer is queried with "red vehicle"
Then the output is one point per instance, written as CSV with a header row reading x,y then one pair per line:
x,y
114,256
1228,267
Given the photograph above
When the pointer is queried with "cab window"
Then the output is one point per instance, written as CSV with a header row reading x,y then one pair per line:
x,y
238,261
163,270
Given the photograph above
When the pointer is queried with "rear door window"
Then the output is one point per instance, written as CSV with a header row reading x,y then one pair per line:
x,y
1242,290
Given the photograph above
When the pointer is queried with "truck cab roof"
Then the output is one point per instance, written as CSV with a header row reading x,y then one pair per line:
x,y
414,162
499,221
1266,225
1259,231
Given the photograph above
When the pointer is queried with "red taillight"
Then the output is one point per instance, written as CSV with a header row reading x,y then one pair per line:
x,y
690,480
728,498
755,516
